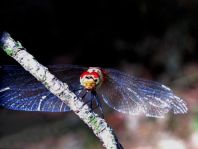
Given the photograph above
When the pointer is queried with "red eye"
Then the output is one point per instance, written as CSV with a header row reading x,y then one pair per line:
x,y
95,74
85,73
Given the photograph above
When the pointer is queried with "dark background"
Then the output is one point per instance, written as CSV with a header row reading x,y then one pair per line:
x,y
103,33
153,39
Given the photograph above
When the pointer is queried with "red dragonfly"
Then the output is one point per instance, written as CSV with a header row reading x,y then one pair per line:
x,y
125,93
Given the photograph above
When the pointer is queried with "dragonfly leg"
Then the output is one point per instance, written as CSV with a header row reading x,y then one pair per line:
x,y
91,103
98,104
82,93
93,97
90,100
77,89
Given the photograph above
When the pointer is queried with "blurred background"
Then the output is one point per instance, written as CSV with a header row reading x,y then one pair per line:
x,y
151,39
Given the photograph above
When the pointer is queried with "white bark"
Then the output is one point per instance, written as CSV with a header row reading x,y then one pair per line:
x,y
60,89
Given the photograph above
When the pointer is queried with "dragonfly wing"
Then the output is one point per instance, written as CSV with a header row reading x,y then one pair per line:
x,y
114,95
68,73
19,90
132,95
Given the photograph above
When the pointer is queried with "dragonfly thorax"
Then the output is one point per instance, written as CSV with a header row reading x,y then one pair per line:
x,y
92,78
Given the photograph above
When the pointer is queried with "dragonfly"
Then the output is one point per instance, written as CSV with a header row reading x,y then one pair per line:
x,y
125,93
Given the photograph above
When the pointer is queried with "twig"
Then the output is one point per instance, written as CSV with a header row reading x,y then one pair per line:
x,y
60,89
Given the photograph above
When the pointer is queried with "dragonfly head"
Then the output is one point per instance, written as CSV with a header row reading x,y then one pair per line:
x,y
92,78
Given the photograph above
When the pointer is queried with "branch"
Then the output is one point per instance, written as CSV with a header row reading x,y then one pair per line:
x,y
61,90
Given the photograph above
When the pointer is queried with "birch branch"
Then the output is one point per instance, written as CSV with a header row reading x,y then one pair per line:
x,y
61,90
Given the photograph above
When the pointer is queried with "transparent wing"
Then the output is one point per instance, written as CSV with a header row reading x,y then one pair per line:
x,y
19,90
132,95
